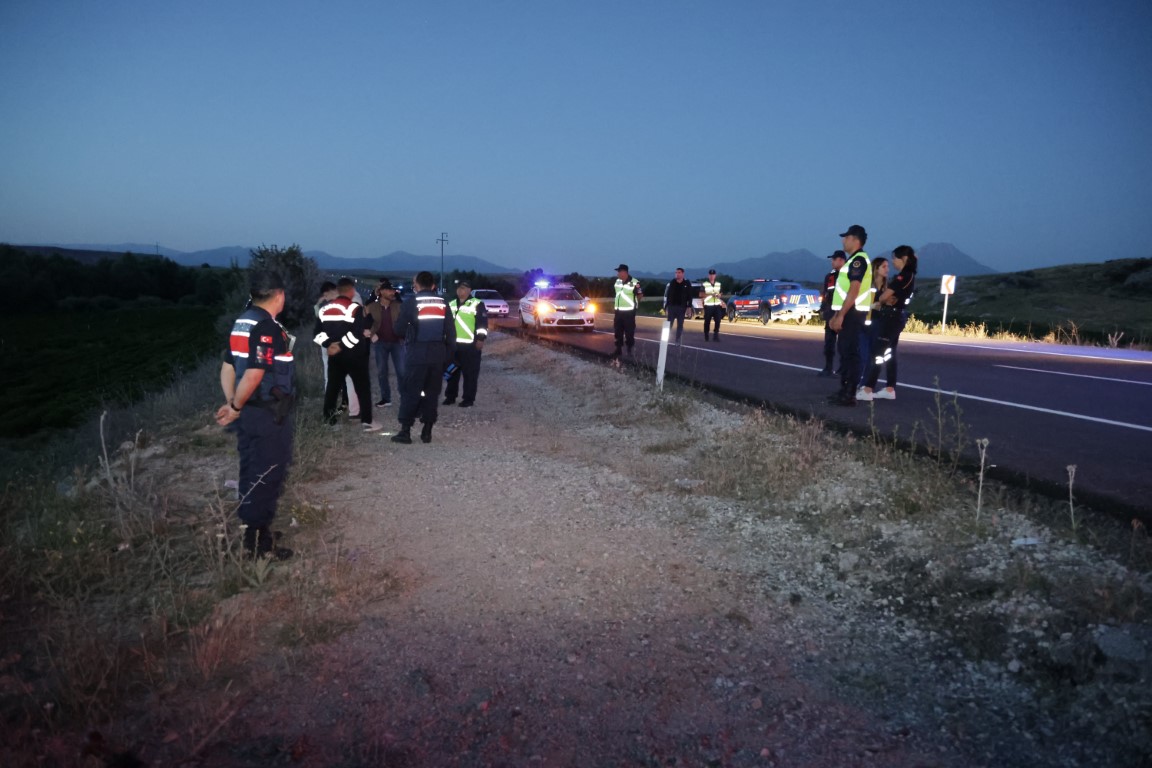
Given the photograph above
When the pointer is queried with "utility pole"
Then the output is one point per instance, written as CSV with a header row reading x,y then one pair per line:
x,y
442,239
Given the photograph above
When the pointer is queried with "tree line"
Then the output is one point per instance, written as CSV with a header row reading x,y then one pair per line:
x,y
38,283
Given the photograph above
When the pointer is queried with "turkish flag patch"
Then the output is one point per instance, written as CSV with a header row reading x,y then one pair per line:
x,y
265,339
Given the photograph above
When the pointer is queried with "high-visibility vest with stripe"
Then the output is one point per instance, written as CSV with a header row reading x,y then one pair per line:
x,y
626,295
712,291
275,350
864,297
466,331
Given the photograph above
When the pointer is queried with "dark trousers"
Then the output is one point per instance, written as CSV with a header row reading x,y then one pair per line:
x,y
676,317
387,351
848,342
712,314
884,349
355,366
624,327
467,367
829,348
420,393
265,452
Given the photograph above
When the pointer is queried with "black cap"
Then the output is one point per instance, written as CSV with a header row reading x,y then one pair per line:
x,y
622,268
464,283
856,231
386,285
711,271
839,254
264,281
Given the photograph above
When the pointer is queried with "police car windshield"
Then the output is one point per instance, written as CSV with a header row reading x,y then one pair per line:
x,y
560,294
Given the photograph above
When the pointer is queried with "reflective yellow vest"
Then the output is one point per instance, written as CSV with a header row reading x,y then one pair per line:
x,y
864,298
466,331
712,291
626,295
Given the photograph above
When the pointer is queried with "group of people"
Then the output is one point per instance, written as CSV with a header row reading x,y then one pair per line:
x,y
426,339
678,297
865,309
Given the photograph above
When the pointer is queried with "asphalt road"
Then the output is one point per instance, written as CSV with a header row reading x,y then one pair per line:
x,y
1042,407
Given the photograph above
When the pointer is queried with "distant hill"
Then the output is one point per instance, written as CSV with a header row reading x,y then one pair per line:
x,y
946,259
803,265
935,259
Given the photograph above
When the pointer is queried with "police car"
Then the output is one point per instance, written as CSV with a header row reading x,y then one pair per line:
x,y
494,303
774,300
556,306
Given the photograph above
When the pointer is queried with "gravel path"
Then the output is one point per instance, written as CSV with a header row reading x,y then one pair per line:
x,y
547,586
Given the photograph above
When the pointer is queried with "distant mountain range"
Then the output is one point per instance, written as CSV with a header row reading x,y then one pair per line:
x,y
802,265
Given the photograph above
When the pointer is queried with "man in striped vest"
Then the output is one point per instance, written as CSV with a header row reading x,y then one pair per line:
x,y
430,337
625,305
471,331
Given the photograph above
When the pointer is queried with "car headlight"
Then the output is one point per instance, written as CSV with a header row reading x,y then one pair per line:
x,y
544,309
590,308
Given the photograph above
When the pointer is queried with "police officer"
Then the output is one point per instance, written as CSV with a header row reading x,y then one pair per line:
x,y
471,331
838,259
710,291
342,330
427,325
262,408
628,295
851,303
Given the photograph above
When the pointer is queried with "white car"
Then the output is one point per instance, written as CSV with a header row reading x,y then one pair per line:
x,y
494,303
557,306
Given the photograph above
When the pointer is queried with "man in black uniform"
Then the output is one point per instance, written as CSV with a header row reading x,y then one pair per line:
x,y
427,325
826,313
851,302
677,298
261,406
471,331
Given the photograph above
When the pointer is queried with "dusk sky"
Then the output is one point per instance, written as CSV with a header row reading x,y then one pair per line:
x,y
574,135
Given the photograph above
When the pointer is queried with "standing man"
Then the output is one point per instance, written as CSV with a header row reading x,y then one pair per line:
x,y
386,344
714,305
677,298
851,302
628,295
471,331
342,329
261,406
430,335
838,259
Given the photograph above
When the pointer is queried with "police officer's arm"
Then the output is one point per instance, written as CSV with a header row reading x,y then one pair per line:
x,y
248,384
481,325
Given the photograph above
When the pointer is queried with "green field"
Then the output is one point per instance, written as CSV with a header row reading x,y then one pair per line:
x,y
1076,302
58,367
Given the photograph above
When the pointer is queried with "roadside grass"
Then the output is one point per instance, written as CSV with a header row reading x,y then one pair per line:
x,y
121,572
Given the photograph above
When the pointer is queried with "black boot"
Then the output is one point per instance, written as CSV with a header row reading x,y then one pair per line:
x,y
403,436
425,433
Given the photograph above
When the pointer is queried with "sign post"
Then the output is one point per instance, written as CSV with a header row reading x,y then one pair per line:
x,y
947,287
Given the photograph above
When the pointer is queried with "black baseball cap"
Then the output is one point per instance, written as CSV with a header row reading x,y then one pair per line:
x,y
464,283
856,231
839,254
622,268
711,271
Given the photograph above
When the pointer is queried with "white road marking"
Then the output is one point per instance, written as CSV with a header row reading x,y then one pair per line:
x,y
1077,375
934,390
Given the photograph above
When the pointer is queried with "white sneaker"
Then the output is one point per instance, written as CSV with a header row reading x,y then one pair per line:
x,y
374,426
863,395
884,394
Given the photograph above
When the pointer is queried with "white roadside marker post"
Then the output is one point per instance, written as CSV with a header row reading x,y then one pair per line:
x,y
664,333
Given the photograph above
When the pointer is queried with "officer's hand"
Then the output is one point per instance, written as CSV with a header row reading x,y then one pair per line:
x,y
225,415
479,344
333,349
836,322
